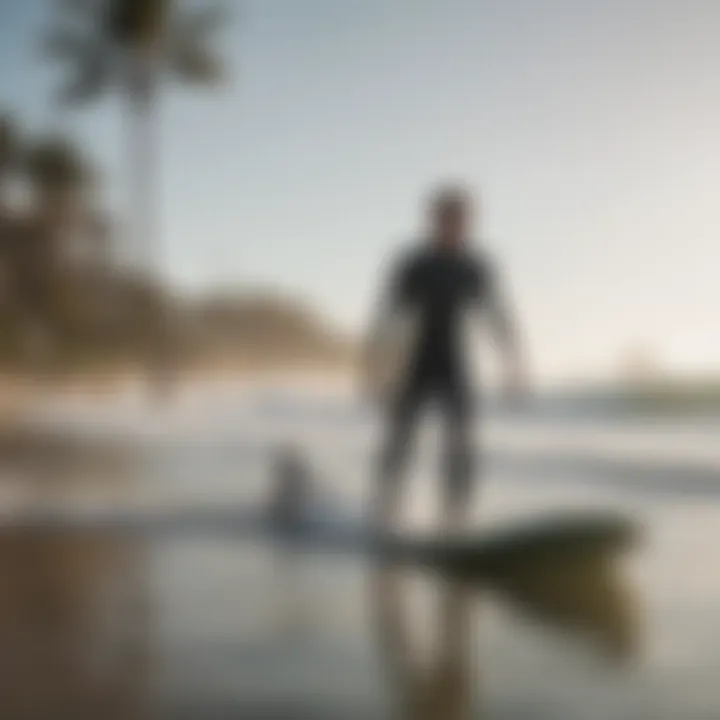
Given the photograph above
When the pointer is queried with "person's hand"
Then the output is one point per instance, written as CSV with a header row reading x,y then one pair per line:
x,y
371,390
516,387
373,381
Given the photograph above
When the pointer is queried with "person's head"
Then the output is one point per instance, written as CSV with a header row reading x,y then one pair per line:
x,y
451,211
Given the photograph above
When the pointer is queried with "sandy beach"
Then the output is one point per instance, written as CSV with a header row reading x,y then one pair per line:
x,y
190,626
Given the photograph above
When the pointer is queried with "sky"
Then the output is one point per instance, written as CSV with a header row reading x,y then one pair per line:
x,y
591,129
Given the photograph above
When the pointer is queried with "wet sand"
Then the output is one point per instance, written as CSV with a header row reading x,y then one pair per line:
x,y
193,626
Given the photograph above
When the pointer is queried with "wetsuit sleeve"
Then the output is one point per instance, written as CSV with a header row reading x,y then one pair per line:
x,y
497,307
396,291
401,283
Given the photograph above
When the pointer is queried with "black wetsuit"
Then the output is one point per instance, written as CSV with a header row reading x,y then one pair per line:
x,y
438,287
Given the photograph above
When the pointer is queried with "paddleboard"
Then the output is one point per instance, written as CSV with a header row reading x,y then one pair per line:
x,y
536,538
550,537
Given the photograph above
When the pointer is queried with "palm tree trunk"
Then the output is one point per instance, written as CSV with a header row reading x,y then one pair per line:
x,y
143,158
147,252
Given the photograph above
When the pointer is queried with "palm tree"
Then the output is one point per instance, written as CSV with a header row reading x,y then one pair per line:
x,y
131,46
8,150
58,174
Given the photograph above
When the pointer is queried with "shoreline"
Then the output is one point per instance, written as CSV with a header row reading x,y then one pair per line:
x,y
20,392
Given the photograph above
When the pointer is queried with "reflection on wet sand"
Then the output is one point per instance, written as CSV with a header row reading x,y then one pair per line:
x,y
74,642
46,468
75,637
583,594
27,445
434,688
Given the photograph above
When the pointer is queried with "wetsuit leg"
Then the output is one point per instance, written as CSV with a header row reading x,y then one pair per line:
x,y
402,421
459,461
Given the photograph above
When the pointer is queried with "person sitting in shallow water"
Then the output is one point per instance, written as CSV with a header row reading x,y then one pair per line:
x,y
299,498
292,486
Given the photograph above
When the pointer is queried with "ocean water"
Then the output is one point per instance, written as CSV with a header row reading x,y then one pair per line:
x,y
201,624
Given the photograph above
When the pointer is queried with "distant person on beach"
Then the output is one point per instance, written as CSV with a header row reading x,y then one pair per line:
x,y
436,284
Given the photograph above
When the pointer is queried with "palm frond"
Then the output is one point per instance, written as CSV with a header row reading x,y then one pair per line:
x,y
93,73
80,90
54,161
135,22
196,65
8,133
9,143
80,6
65,44
199,23
189,52
79,17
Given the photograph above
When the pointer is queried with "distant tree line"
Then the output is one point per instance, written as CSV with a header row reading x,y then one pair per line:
x,y
66,302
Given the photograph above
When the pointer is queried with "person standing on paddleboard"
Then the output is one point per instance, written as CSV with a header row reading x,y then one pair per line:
x,y
435,286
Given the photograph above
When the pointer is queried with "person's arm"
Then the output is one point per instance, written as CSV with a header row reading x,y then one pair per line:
x,y
504,328
388,303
